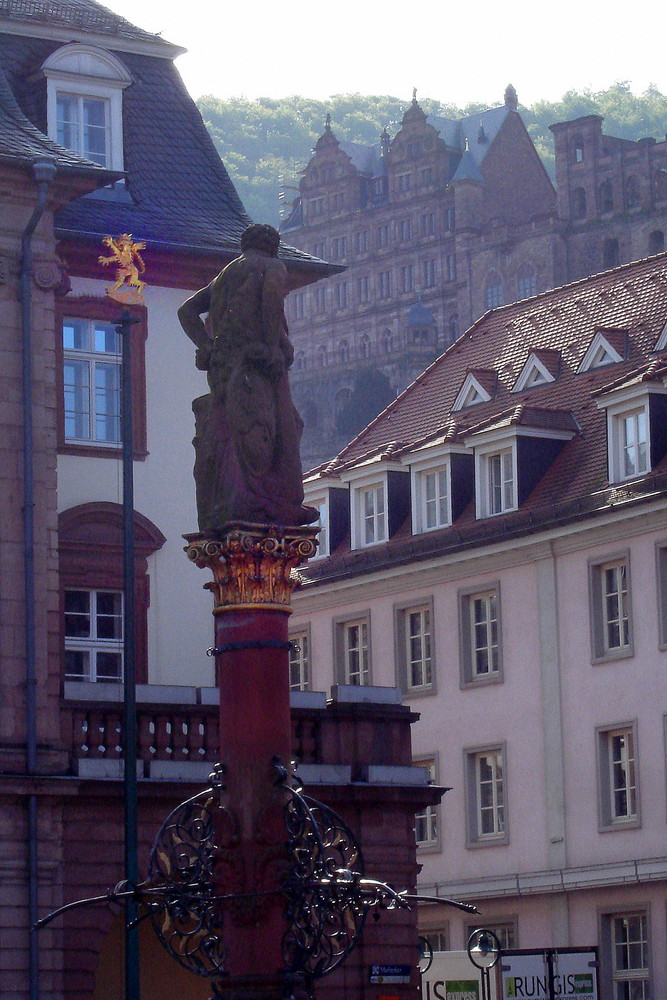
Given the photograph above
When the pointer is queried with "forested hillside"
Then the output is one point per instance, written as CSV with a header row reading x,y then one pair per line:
x,y
269,139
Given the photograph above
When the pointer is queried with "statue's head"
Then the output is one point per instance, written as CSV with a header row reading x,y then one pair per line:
x,y
260,236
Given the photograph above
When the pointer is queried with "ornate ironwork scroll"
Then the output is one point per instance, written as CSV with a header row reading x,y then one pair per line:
x,y
326,908
187,917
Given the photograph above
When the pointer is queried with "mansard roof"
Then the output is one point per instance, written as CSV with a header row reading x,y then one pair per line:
x,y
21,143
632,297
179,195
79,18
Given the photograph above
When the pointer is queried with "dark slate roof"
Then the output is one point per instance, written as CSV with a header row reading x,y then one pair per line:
x,y
420,315
180,194
365,158
21,143
78,15
455,132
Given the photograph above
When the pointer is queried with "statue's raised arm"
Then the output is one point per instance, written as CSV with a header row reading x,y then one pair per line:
x,y
247,430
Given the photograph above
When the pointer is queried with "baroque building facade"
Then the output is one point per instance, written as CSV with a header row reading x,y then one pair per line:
x,y
439,224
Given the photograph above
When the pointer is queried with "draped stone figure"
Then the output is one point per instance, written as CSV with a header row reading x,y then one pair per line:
x,y
247,429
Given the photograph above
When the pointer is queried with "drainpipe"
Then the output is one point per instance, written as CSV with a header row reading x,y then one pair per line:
x,y
44,170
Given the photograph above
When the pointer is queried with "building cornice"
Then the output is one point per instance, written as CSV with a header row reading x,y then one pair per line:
x,y
159,48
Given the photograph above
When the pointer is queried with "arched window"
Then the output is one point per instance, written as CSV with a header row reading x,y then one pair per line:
x,y
386,341
579,203
364,346
577,148
605,197
299,361
656,241
85,102
493,291
610,253
343,352
322,359
631,192
90,545
340,399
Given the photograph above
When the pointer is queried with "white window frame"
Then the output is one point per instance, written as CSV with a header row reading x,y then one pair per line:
x,y
533,374
86,71
621,404
501,452
321,502
618,777
92,645
427,821
370,514
470,660
621,977
348,670
610,600
433,460
91,360
599,354
478,807
471,393
415,661
506,929
300,659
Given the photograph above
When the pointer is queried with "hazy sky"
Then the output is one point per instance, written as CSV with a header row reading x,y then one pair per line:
x,y
452,52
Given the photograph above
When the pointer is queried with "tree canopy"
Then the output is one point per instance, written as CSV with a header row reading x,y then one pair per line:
x,y
266,143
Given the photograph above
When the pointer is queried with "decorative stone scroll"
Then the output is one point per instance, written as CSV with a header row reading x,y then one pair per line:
x,y
253,564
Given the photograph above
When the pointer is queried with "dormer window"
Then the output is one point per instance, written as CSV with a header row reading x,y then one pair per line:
x,y
333,503
636,421
496,478
539,369
606,348
85,102
379,502
478,387
512,455
442,484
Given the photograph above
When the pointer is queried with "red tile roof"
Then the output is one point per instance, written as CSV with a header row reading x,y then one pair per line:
x,y
630,298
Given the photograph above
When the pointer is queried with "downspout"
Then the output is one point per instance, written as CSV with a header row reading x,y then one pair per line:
x,y
44,170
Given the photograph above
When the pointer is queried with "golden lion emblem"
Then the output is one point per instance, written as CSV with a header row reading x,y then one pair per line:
x,y
129,265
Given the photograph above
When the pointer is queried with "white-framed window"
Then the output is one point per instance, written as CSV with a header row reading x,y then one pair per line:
x,y
533,373
321,504
611,618
635,417
479,630
299,660
435,498
91,381
500,481
414,648
352,650
373,515
600,352
85,102
93,628
486,795
618,777
426,820
625,955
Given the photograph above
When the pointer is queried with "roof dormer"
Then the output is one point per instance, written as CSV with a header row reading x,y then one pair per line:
x,y
379,500
540,368
85,102
607,347
479,386
513,453
442,482
636,425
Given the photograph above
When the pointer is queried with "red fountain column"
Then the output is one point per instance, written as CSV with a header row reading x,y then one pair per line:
x,y
253,582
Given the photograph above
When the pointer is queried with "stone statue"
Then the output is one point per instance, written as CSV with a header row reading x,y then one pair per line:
x,y
247,430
